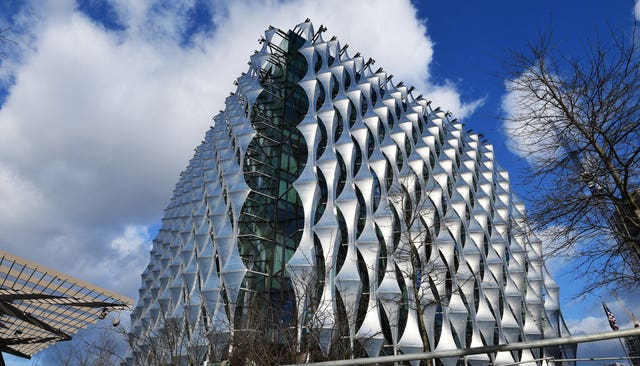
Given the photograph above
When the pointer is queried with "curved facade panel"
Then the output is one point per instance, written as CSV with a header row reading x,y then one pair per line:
x,y
330,208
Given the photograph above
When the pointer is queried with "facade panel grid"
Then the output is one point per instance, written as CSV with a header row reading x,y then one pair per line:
x,y
328,201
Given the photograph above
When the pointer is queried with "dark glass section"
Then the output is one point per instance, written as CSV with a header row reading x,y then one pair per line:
x,y
317,60
322,143
428,240
407,146
399,158
340,341
324,195
407,208
357,163
335,88
347,80
397,233
377,191
339,126
321,96
388,175
363,105
386,331
425,174
271,220
364,299
362,213
371,144
342,177
381,132
417,188
403,314
352,114
436,222
438,324
390,121
330,60
344,240
315,300
382,260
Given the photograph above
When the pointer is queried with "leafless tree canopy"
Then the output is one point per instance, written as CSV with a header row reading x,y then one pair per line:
x,y
103,349
4,39
578,120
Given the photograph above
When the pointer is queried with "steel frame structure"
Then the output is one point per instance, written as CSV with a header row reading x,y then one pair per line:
x,y
40,306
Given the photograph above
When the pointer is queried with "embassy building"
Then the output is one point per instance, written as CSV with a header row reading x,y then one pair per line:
x,y
330,213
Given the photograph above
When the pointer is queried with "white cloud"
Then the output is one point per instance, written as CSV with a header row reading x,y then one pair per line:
x,y
511,105
529,117
636,10
588,325
18,198
132,239
98,123
447,96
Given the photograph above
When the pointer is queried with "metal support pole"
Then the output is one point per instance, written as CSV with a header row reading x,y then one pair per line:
x,y
480,350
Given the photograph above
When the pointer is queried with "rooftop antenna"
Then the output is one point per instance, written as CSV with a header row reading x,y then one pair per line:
x,y
369,62
320,31
344,48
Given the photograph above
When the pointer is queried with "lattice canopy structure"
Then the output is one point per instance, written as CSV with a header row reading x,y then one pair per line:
x,y
40,306
332,209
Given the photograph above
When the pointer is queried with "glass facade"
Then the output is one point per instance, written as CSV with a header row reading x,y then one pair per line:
x,y
271,219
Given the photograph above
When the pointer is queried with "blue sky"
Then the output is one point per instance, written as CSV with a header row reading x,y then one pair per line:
x,y
103,101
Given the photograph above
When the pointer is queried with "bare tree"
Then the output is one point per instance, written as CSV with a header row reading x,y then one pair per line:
x,y
428,279
174,342
414,242
4,39
578,122
267,335
274,334
102,349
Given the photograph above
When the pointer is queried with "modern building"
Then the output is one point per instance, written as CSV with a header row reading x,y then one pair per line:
x,y
632,345
333,213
